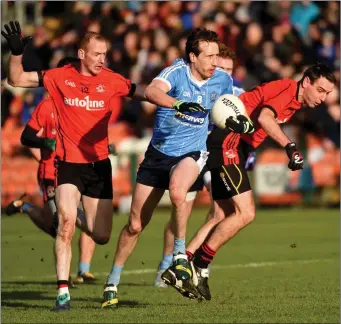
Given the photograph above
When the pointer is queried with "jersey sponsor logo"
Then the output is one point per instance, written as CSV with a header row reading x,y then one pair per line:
x,y
222,176
53,131
70,83
86,103
195,119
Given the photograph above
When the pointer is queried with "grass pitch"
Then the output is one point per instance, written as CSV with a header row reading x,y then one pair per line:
x,y
283,268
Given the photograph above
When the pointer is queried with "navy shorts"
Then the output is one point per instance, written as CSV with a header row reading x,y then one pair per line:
x,y
155,169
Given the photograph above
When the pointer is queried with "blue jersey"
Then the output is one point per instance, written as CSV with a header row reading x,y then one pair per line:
x,y
237,91
176,133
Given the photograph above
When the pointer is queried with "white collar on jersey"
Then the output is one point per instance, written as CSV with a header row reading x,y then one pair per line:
x,y
191,77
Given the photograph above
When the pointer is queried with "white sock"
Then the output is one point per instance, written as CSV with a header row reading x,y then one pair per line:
x,y
62,291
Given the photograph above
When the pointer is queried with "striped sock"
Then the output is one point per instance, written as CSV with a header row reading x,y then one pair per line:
x,y
189,255
204,256
63,287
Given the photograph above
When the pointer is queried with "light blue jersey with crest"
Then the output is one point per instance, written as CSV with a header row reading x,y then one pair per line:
x,y
176,133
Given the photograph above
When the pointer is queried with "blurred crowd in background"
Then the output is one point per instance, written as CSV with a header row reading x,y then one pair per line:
x,y
272,40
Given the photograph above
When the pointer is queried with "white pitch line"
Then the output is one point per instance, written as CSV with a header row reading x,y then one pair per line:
x,y
218,267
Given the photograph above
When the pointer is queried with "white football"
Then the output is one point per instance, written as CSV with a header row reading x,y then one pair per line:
x,y
226,106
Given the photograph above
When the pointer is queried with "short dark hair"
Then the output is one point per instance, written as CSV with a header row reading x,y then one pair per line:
x,y
67,60
85,40
317,71
226,52
196,36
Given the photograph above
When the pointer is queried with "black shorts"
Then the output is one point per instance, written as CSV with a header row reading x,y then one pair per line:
x,y
92,179
48,188
155,169
229,181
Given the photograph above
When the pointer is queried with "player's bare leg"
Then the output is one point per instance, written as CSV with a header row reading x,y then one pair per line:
x,y
41,217
86,251
98,214
67,200
145,200
214,217
179,274
222,233
168,243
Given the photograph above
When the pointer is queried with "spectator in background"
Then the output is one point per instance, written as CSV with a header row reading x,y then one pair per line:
x,y
6,97
279,39
302,14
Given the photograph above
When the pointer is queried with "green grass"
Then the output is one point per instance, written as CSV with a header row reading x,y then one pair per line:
x,y
258,277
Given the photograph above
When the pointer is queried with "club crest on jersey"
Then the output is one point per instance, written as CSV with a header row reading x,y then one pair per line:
x,y
53,131
100,88
186,94
194,119
213,96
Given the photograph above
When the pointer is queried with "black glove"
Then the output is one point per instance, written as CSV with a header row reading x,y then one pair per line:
x,y
239,124
295,157
182,106
49,143
14,38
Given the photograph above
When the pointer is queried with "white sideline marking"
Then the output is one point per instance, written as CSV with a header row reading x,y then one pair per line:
x,y
231,266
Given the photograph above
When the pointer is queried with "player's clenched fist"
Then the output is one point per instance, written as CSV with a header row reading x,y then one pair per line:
x,y
14,38
295,157
183,106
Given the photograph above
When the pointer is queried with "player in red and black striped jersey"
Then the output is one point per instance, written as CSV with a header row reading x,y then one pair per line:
x,y
268,105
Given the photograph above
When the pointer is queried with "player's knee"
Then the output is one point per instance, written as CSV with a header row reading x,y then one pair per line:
x,y
101,239
247,217
219,216
135,228
177,195
66,229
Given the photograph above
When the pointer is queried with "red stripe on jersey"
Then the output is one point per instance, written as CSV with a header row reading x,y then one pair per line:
x,y
230,149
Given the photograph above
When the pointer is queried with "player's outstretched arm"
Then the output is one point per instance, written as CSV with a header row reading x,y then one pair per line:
x,y
17,76
268,122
